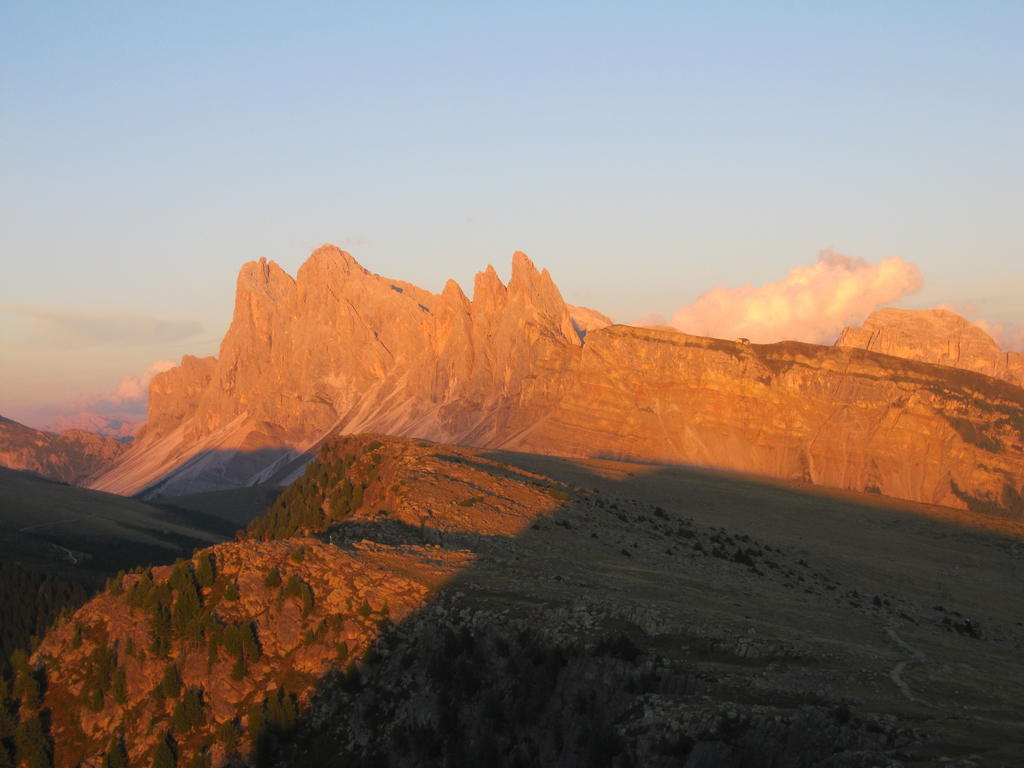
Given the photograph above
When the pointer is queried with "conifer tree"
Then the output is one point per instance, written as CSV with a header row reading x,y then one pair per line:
x,y
272,579
120,686
8,726
31,744
26,687
141,590
227,734
116,756
181,575
257,723
170,684
206,573
164,754
160,628
7,722
116,584
188,713
186,612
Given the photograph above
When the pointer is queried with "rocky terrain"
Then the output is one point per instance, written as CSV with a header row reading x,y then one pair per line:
x,y
936,336
408,603
73,456
339,349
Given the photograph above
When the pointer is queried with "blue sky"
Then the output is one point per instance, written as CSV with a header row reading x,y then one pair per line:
x,y
644,153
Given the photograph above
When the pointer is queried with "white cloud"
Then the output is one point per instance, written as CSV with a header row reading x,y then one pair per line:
x,y
118,412
61,328
137,387
811,304
1006,336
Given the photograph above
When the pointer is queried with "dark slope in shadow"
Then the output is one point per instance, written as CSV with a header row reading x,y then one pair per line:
x,y
59,543
88,535
216,470
665,616
229,509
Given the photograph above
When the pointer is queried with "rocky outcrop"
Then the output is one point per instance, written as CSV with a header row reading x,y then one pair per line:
x,y
837,417
250,637
340,349
934,336
209,653
408,603
73,456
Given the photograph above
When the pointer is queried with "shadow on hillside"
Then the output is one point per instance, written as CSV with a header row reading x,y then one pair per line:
x,y
667,616
212,470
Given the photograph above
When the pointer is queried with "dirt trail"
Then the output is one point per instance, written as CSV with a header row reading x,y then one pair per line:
x,y
896,673
70,555
28,528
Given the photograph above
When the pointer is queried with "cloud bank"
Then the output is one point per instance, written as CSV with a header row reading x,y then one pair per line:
x,y
1007,336
117,413
133,389
85,329
811,304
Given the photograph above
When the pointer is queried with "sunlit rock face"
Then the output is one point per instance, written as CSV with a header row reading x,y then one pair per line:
x,y
935,336
340,349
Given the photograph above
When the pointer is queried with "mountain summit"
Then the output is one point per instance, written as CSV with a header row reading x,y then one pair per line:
x,y
339,349
935,336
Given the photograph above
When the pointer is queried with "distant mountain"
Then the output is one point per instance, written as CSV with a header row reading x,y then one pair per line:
x,y
121,428
73,456
88,535
934,336
341,350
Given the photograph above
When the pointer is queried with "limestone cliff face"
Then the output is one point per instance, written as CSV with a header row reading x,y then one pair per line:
x,y
340,349
838,417
935,336
72,456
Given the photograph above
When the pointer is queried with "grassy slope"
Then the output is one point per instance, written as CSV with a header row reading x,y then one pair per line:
x,y
236,507
88,534
652,551
59,542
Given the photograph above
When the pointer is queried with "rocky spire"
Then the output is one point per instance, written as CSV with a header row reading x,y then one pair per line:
x,y
489,293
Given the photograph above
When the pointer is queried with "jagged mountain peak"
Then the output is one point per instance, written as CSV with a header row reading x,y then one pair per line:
x,y
344,350
263,278
329,262
488,289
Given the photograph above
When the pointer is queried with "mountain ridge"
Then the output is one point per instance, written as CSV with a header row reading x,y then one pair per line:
x,y
341,349
71,456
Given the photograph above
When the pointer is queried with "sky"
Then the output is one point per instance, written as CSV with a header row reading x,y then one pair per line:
x,y
657,158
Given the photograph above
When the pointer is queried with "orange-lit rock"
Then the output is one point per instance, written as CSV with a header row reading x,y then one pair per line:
x,y
342,350
935,336
73,456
